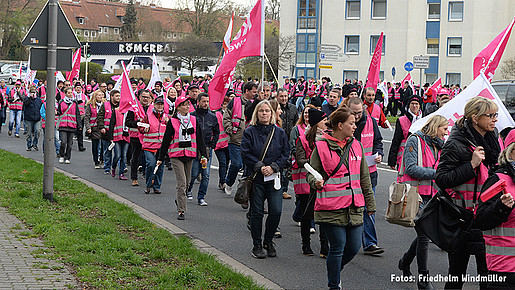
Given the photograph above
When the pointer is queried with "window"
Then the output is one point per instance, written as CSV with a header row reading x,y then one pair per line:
x,y
303,23
86,33
312,23
302,8
454,47
350,74
378,9
381,75
168,35
373,42
307,14
353,9
100,30
140,33
301,42
433,11
93,34
312,9
453,78
352,44
106,29
310,73
81,20
311,42
455,11
432,46
174,35
78,32
116,30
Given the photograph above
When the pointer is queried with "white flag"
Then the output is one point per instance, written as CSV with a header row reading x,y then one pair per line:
x,y
382,86
29,76
59,76
155,74
454,109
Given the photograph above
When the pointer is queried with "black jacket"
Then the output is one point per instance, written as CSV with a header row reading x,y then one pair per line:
x,y
209,124
131,123
398,136
31,107
378,142
328,109
289,117
168,137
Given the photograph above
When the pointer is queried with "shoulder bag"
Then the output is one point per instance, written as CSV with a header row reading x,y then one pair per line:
x,y
404,200
245,183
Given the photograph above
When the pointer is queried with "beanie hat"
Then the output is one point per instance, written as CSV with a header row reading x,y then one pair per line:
x,y
315,116
316,101
416,99
510,138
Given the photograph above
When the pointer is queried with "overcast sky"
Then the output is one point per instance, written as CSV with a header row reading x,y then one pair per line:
x,y
173,3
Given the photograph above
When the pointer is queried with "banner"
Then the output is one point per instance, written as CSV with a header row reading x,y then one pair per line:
x,y
118,83
454,109
375,65
488,59
155,74
74,73
250,41
128,99
435,88
227,38
29,76
410,83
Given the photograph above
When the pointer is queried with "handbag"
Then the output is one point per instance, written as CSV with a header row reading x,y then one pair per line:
x,y
245,183
443,222
404,200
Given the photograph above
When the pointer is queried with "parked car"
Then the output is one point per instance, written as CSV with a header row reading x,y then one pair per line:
x,y
10,74
506,91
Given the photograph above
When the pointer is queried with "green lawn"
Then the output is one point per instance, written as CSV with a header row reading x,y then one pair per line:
x,y
105,243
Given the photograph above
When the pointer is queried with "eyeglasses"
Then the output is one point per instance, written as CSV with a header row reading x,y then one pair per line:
x,y
492,116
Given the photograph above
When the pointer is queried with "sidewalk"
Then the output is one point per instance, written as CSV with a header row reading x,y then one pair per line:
x,y
22,270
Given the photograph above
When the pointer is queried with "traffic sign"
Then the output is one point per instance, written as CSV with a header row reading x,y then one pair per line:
x,y
333,57
408,66
421,62
38,59
393,71
330,48
38,32
324,66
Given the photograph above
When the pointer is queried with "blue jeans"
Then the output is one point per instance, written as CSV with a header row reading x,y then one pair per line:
x,y
32,133
197,169
95,150
57,142
300,104
369,228
120,154
108,155
150,161
223,160
284,180
236,163
262,192
15,115
344,244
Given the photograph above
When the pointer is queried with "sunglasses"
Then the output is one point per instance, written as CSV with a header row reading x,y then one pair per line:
x,y
492,116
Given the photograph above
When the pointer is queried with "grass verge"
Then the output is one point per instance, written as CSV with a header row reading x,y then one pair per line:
x,y
392,119
106,244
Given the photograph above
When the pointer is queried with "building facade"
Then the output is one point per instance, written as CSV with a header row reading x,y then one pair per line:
x,y
337,38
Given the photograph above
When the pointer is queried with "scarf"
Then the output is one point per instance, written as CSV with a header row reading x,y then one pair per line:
x,y
415,117
490,144
185,125
67,100
98,105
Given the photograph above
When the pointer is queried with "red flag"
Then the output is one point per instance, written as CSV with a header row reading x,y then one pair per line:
x,y
488,59
375,65
74,73
248,42
435,87
128,100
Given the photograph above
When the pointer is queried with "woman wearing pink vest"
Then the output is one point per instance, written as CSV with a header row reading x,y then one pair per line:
x,y
342,193
91,124
182,142
221,149
496,218
69,121
431,138
472,148
305,144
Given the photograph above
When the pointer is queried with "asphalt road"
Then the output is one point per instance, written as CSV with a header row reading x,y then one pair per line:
x,y
222,224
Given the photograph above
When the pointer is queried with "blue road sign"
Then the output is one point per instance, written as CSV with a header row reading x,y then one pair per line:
x,y
393,71
408,66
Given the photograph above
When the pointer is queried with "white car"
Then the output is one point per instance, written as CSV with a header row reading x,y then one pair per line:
x,y
10,75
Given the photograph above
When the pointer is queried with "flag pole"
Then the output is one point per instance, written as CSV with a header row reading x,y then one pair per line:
x,y
262,70
219,57
270,65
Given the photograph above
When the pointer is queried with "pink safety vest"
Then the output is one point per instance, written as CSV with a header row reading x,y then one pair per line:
x,y
376,112
223,139
405,125
68,119
367,140
469,189
311,89
42,92
118,127
107,115
237,114
301,93
134,132
425,186
344,188
391,92
154,137
3,91
82,106
500,242
300,185
174,150
201,87
238,89
93,118
397,94
18,105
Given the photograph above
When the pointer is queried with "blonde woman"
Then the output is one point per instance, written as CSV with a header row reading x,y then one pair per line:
x,y
90,122
472,148
431,138
263,124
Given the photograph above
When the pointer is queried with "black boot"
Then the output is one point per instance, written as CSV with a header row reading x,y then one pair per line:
x,y
424,284
404,268
306,250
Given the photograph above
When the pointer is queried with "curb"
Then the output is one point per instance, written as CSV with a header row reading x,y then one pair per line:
x,y
176,231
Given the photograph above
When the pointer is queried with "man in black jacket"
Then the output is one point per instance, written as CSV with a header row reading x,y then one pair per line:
x,y
31,106
210,131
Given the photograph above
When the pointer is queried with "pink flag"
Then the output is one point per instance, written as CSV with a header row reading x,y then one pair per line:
x,y
435,87
375,65
227,38
128,100
248,42
70,75
488,59
410,82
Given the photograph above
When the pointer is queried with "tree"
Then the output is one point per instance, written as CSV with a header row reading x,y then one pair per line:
x,y
205,16
129,23
508,69
272,9
194,52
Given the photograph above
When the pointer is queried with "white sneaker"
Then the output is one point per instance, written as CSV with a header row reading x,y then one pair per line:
x,y
312,230
67,161
61,160
189,196
228,189
202,202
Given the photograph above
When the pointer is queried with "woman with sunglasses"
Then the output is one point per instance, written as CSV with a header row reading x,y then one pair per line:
x,y
471,150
